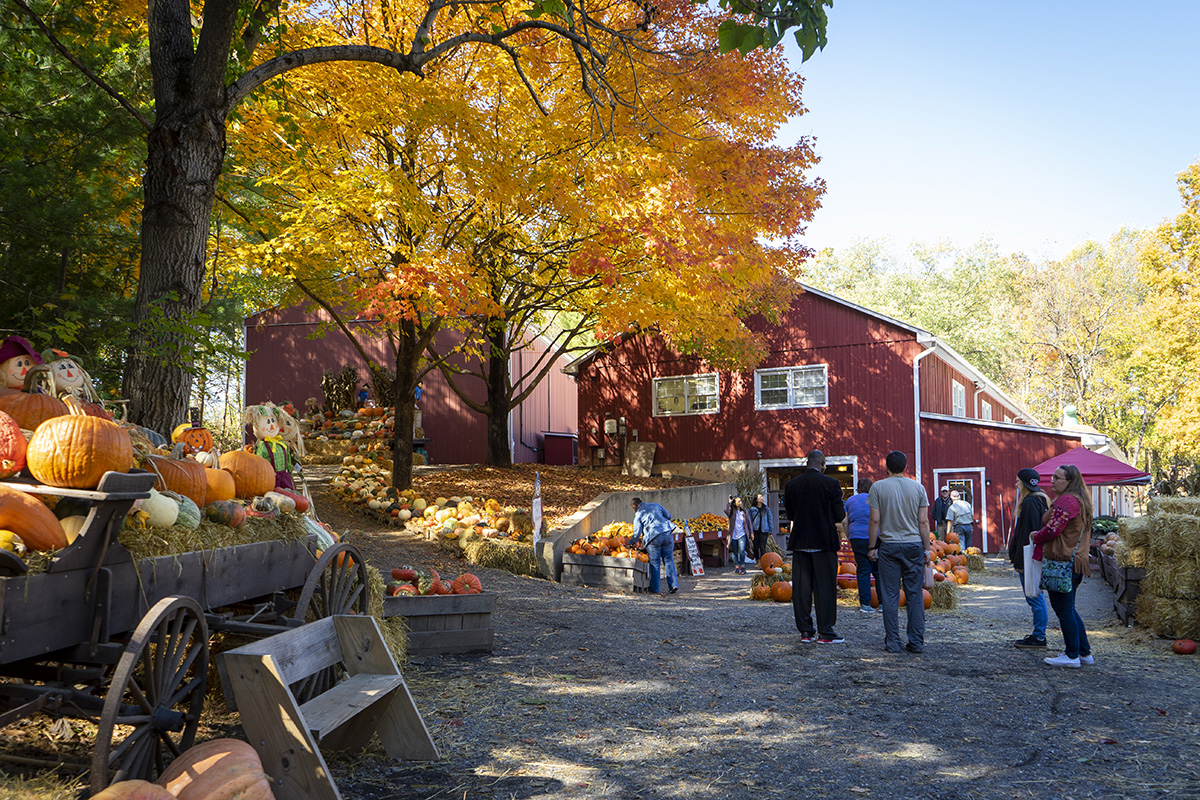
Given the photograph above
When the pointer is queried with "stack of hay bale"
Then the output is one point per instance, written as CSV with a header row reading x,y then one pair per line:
x,y
1170,600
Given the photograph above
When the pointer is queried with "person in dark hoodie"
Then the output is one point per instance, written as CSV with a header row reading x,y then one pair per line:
x,y
1032,504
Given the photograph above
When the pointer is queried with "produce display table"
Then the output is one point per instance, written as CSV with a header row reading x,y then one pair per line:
x,y
713,547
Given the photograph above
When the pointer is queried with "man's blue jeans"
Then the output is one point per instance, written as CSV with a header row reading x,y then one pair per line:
x,y
1038,605
662,548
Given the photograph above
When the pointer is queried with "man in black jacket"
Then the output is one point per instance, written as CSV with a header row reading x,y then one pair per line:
x,y
813,501
939,508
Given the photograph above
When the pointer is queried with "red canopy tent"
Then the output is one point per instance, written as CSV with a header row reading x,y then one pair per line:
x,y
1097,469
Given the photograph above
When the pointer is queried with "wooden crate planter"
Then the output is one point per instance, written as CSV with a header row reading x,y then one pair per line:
x,y
445,623
606,572
1126,589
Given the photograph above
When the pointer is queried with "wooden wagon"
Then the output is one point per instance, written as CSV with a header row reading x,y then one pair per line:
x,y
124,642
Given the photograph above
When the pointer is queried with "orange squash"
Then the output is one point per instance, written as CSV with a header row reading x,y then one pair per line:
x,y
27,517
216,769
182,476
12,447
134,790
75,450
761,592
252,474
466,584
220,485
781,591
928,598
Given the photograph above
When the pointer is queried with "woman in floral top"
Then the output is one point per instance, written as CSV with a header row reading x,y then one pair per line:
x,y
1067,521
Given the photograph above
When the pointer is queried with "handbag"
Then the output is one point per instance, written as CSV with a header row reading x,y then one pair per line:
x,y
1059,576
1033,572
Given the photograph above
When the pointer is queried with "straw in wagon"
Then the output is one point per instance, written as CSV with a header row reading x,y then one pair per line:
x,y
154,542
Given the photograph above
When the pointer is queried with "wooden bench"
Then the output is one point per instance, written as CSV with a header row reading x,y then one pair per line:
x,y
288,734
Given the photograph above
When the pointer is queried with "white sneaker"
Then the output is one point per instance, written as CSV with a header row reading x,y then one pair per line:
x,y
1062,661
1087,659
866,610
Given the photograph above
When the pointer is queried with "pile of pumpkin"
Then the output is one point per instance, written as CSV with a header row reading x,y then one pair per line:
x,y
74,451
365,423
708,523
217,768
611,541
773,584
408,580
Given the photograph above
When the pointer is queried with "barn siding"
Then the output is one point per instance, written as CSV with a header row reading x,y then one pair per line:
x,y
287,359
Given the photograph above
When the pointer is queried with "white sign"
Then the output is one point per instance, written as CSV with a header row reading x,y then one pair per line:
x,y
535,511
693,551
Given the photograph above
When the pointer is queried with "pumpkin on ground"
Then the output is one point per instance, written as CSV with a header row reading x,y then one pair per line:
x,y
760,592
465,584
219,485
134,790
781,591
220,768
12,447
928,598
28,517
226,512
770,562
1184,647
74,451
182,476
252,475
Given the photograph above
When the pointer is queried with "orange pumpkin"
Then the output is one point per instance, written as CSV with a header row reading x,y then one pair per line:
x,y
847,568
134,790
770,562
928,598
951,537
219,485
466,584
199,440
74,451
12,447
31,410
761,592
252,474
182,476
220,768
781,591
28,517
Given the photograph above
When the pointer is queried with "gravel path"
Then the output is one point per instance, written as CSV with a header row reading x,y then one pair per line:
x,y
705,694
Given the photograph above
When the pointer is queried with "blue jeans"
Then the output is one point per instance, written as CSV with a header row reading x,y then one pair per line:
x,y
662,548
902,565
964,535
737,551
1075,641
866,568
1038,606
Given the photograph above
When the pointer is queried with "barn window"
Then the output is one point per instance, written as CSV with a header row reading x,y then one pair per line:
x,y
986,413
685,394
960,399
792,387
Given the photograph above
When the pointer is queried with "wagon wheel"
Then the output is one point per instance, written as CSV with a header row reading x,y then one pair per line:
x,y
154,702
336,585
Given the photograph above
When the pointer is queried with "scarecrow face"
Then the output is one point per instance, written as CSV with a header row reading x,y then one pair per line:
x,y
12,371
267,426
288,427
67,374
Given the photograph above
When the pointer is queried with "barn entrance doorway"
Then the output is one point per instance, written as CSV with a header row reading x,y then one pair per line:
x,y
781,470
971,484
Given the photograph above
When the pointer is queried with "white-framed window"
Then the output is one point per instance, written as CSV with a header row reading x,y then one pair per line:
x,y
792,387
986,413
959,399
686,394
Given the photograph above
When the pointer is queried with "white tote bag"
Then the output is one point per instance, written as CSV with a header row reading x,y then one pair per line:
x,y
1033,573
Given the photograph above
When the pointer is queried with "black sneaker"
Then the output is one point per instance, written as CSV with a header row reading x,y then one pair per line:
x,y
673,591
1030,642
912,648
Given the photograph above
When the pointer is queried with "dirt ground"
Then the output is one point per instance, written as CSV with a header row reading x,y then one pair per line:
x,y
705,694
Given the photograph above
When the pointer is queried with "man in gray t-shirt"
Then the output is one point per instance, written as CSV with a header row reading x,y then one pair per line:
x,y
899,543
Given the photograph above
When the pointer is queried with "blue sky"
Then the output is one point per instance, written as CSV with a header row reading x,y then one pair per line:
x,y
1039,125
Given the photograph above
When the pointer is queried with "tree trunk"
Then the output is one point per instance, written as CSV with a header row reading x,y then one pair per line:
x,y
184,162
499,454
408,358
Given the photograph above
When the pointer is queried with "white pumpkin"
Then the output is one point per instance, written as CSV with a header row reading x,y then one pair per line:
x,y
163,510
419,505
404,514
72,526
284,503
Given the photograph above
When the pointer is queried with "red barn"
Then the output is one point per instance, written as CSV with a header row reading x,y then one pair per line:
x,y
288,357
838,377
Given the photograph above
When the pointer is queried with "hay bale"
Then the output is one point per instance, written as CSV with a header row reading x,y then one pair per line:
x,y
945,595
1176,537
1184,506
1131,555
1174,579
1169,617
502,554
975,563
1135,531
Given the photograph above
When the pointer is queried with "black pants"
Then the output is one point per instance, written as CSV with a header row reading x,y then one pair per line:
x,y
815,576
760,544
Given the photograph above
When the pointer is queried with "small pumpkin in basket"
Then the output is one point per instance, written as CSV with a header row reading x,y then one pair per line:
x,y
74,451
